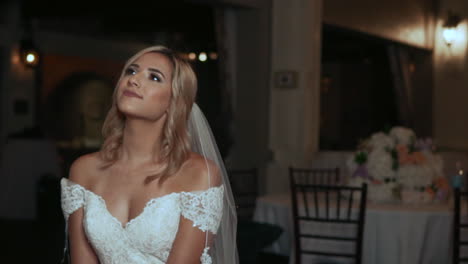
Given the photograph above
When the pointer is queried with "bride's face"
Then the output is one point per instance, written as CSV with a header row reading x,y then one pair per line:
x,y
145,88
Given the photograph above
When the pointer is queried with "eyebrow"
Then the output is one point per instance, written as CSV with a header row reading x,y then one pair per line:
x,y
150,69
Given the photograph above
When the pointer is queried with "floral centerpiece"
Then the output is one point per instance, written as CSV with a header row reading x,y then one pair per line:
x,y
399,167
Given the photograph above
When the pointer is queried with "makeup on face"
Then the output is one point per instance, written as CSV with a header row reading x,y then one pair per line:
x,y
155,74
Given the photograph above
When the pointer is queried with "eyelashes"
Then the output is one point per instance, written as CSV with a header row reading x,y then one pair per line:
x,y
155,77
151,77
130,71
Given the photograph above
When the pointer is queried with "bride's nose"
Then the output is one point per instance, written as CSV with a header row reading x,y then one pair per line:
x,y
133,81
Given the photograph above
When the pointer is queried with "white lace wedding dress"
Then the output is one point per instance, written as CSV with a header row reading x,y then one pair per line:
x,y
148,237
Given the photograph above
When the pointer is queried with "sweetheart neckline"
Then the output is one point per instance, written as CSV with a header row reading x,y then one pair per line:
x,y
148,204
125,226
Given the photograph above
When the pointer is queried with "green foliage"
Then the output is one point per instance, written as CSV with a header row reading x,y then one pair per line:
x,y
360,158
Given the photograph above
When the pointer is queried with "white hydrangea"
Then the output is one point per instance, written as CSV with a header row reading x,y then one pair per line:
x,y
379,165
402,135
381,141
411,179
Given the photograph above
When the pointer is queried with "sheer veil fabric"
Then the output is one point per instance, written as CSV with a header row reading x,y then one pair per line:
x,y
224,248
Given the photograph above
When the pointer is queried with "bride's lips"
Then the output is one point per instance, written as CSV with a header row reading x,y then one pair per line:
x,y
131,94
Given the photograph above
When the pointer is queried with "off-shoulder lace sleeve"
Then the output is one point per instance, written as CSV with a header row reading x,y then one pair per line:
x,y
72,197
204,208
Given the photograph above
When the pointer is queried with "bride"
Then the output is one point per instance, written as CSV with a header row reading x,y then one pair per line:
x,y
157,191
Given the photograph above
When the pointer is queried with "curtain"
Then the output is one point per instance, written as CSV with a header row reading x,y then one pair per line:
x,y
402,82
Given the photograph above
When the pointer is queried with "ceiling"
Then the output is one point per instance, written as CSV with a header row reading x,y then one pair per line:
x,y
184,24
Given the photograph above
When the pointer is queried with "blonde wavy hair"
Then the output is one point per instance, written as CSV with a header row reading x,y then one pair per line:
x,y
175,147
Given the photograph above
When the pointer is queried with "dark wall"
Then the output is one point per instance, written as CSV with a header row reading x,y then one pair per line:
x,y
410,22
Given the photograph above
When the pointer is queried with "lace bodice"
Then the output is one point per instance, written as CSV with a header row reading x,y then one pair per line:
x,y
148,237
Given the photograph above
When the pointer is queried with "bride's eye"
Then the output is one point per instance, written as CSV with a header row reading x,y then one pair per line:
x,y
155,78
130,71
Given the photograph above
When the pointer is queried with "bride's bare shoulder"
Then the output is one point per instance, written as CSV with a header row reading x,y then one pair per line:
x,y
85,169
200,173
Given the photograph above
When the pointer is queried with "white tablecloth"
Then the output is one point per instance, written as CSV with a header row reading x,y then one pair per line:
x,y
393,234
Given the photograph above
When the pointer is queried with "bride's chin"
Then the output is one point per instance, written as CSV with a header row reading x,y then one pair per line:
x,y
133,112
128,111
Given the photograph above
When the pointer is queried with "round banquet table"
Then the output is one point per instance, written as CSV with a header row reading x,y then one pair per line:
x,y
393,233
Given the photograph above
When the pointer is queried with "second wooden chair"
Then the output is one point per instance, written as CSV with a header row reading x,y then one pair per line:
x,y
318,203
460,224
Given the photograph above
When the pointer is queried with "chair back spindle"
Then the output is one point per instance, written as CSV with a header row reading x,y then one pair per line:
x,y
319,199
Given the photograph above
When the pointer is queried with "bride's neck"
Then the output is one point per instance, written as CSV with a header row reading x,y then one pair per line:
x,y
141,140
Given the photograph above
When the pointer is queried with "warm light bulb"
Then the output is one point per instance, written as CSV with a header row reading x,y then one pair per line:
x,y
202,56
449,35
30,58
192,56
460,172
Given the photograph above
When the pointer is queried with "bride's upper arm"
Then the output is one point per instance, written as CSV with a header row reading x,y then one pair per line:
x,y
189,243
80,249
196,231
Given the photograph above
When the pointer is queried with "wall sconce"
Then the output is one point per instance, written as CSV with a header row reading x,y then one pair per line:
x,y
450,31
29,54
